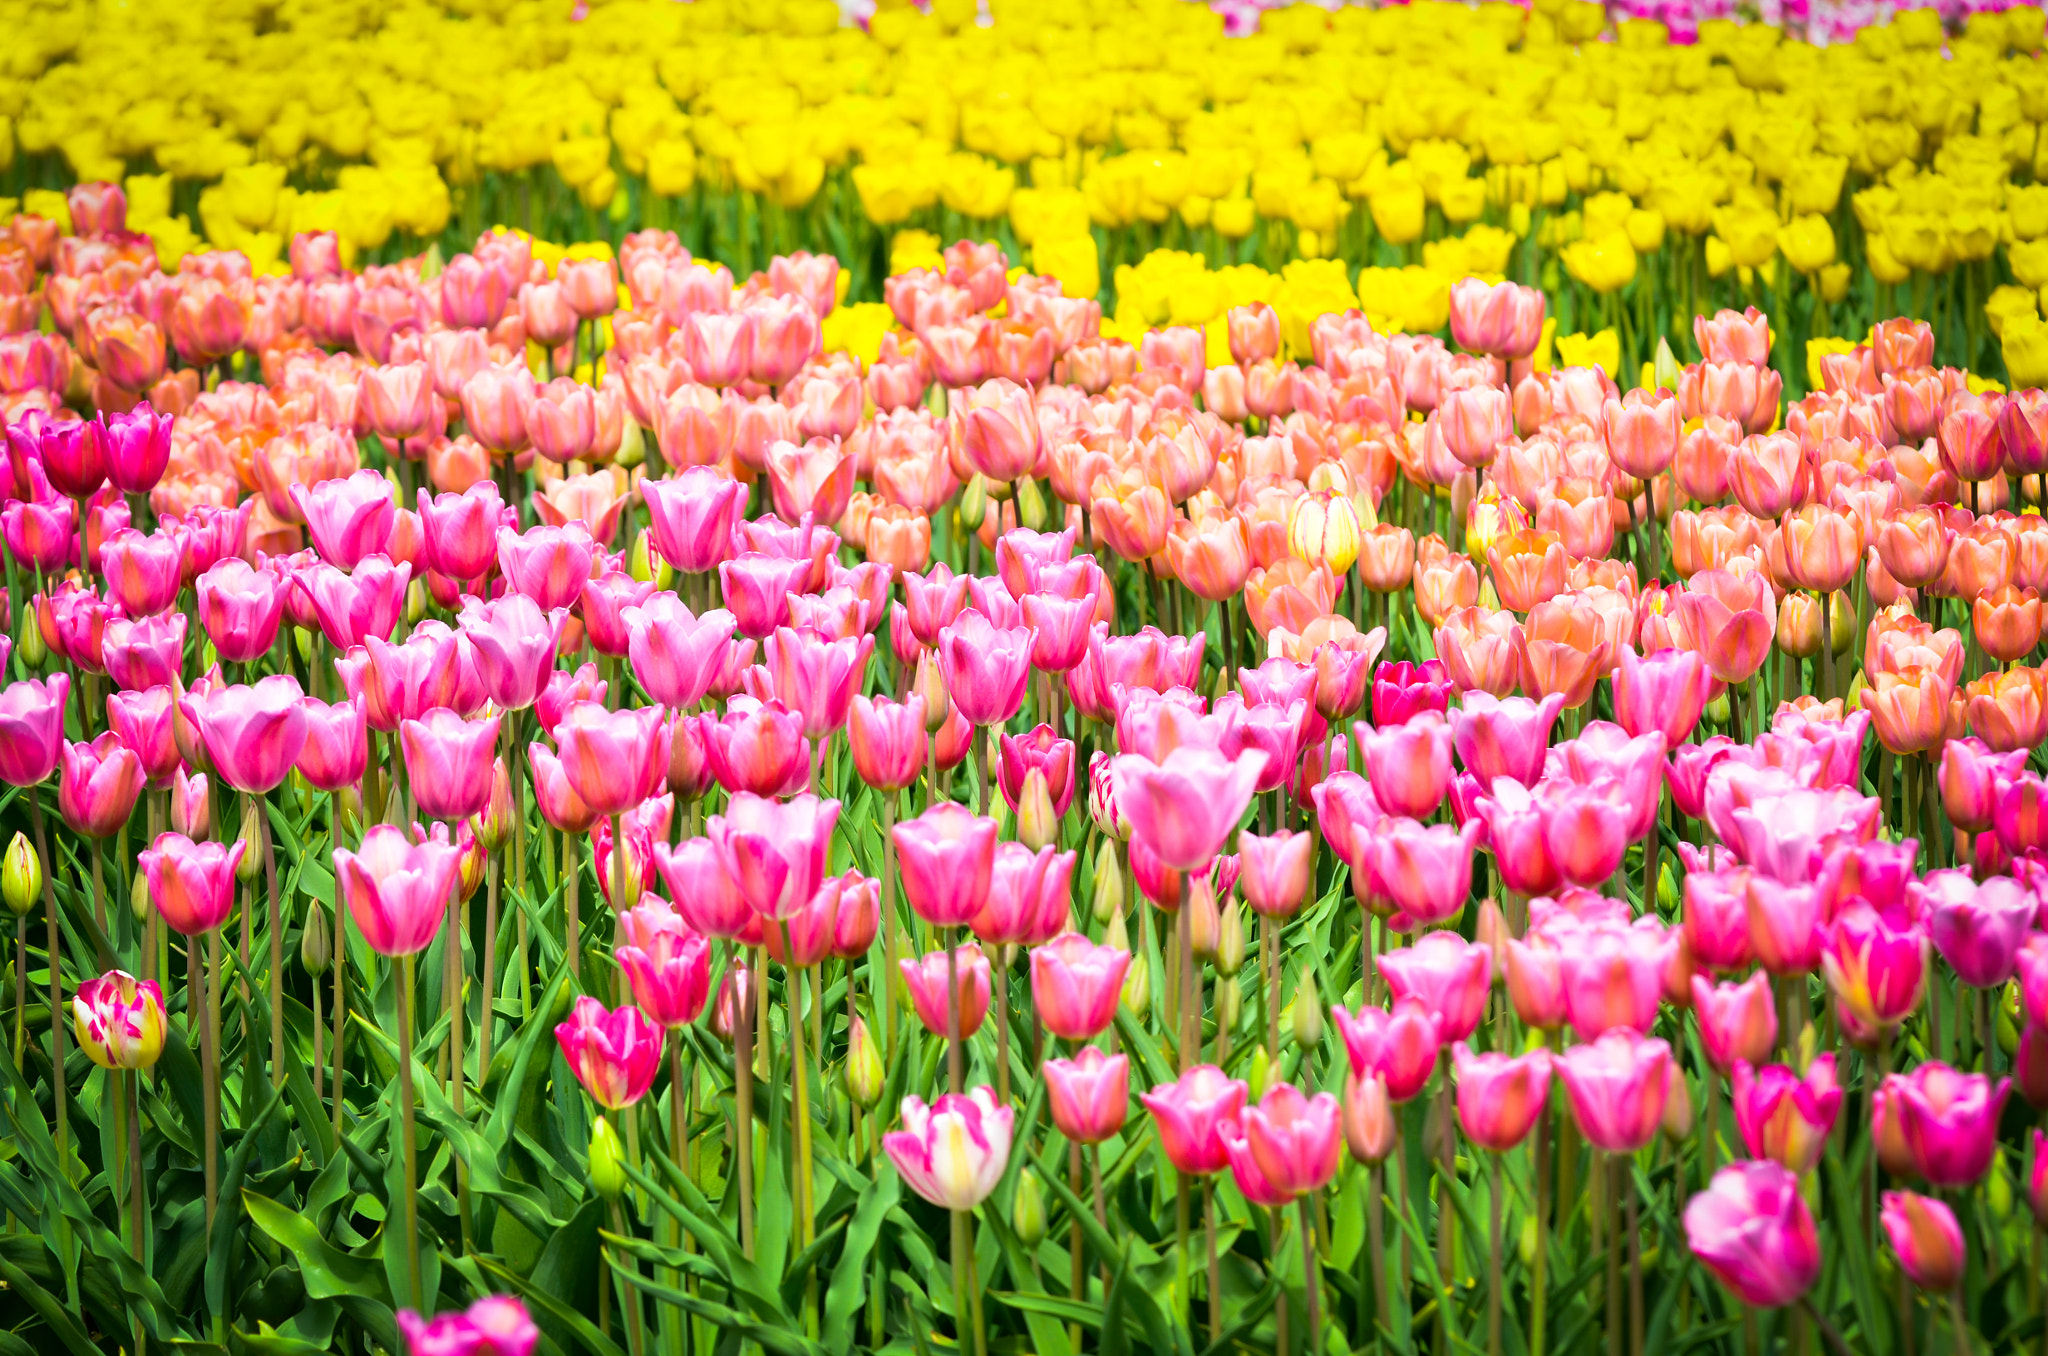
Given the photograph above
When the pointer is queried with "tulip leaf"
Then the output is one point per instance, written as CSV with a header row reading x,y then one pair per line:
x,y
49,1309
848,1287
329,1272
554,1313
772,1337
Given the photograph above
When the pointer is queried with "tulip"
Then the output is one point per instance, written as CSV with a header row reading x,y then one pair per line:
x,y
947,856
141,571
142,721
460,531
2037,1184
1785,925
1979,931
514,646
1500,1096
1927,1240
1451,978
1497,738
888,741
135,446
1426,872
758,747
614,1055
496,1325
1402,691
603,605
1664,692
146,653
2033,973
1784,1117
1618,1085
986,668
240,608
925,979
1613,979
353,607
1075,984
43,536
191,884
1752,1229
32,728
448,762
1088,1095
1948,1121
675,655
775,852
1190,1115
1286,1146
1738,1022
350,519
1409,764
954,1152
120,1022
1970,773
1535,981
397,890
612,760
813,676
1275,871
191,807
1503,319
548,564
1184,807
98,784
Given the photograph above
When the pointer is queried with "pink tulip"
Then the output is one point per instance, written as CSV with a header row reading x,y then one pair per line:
x,y
1402,691
1738,1022
1516,821
641,828
146,653
397,890
1190,1115
1060,628
1075,985
1497,738
815,677
1274,871
136,447
1009,912
758,747
496,1325
1613,979
191,884
692,515
705,894
1585,829
1752,1229
1089,1094
448,762
888,741
676,655
2033,971
142,720
1448,975
1877,972
1427,872
548,564
513,644
603,605
1785,926
947,857
350,519
614,1055
757,589
925,978
775,852
240,608
564,690
1500,1096
336,751
460,531
364,603
553,796
1370,1131
1043,751
1926,1239
1784,1117
252,734
1184,807
1947,1120
1409,764
1789,835
613,760
435,667
191,805
141,571
1717,917
1286,1146
1977,929
1618,1085
1535,981
1604,752
41,535
986,669
667,964
952,1153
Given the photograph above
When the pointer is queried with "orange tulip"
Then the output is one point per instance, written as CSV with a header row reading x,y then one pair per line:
x,y
1980,562
898,537
1131,516
1914,546
1909,709
1731,615
2007,710
1822,547
1563,648
1477,646
1445,584
1528,568
1386,558
1289,595
1897,640
1901,345
2007,622
1211,555
1709,538
1580,513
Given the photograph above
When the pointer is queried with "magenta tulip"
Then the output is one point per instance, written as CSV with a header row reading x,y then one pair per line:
x,y
1948,1121
143,722
1618,1085
97,785
692,515
1448,975
448,762
349,518
676,655
1184,807
191,884
141,570
1190,1114
1738,1022
1089,1095
1926,1239
1496,738
1286,1146
1075,985
1783,1116
776,852
397,890
1752,1229
1500,1096
986,668
550,565
364,603
925,980
240,608
947,857
613,760
614,1055
513,644
337,748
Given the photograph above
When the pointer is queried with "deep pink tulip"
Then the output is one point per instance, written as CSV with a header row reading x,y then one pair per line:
x,y
925,978
556,800
1409,764
1633,764
603,606
932,600
614,1055
1189,1115
1783,1116
888,741
1497,738
1349,815
815,677
1500,1096
1059,629
1089,1095
1286,1146
496,1325
1970,773
41,535
141,570
1663,693
1425,871
1515,821
1618,1085
240,608
1926,1239
1450,976
1977,929
2033,973
758,747
1738,1022
692,515
142,719
667,963
1613,978
986,668
613,759
548,564
1185,806
351,607
1717,917
1784,926
97,785
337,747
141,654
775,852
676,655
397,890
757,590
564,690
1752,1229
1075,985
1274,870
1402,690
75,623
136,447
434,667
1948,1121
1399,1046
191,804
1690,767
75,464
947,857
191,884
349,518
448,762
642,827
460,531
513,644
1039,750
705,894
252,734
1585,829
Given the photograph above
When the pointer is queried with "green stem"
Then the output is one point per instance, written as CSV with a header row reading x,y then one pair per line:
x,y
411,1139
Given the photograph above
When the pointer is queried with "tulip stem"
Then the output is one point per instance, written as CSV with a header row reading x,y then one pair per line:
x,y
956,1071
1188,1013
743,1096
99,895
1493,1287
1215,1267
1375,1225
20,987
1269,991
62,1113
1077,1278
799,1074
999,974
1635,1262
572,933
276,947
1611,1208
493,871
960,1246
411,1139
340,971
1183,1306
1311,1283
892,926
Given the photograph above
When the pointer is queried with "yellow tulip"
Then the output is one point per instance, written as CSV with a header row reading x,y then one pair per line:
x,y
1834,282
2007,302
1808,243
2029,260
1073,260
1606,264
1398,210
2025,345
1602,350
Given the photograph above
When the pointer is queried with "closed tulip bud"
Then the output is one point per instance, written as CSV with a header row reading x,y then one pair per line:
x,y
1664,370
415,602
607,1160
1259,1075
33,652
1027,1209
1230,940
1203,923
1137,990
316,946
251,865
1370,1129
1229,1004
864,1072
1677,1108
21,876
647,565
138,897
1031,508
1305,1017
493,825
1038,824
974,503
1106,901
930,683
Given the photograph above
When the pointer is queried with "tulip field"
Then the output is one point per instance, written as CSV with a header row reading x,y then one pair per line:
x,y
834,768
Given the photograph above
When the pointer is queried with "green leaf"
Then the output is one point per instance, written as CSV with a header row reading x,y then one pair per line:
x,y
848,1287
329,1272
553,1311
772,1337
49,1309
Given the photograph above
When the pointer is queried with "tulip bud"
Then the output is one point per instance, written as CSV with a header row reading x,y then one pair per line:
x,y
1677,1123
1027,1209
1305,1016
632,439
1031,511
1664,368
1230,941
138,897
930,684
302,641
2009,1019
251,865
1998,1189
1038,825
607,1160
1804,1051
1717,710
494,825
1526,1241
974,502
1370,1130
1203,923
1102,806
21,876
415,602
864,1071
32,650
1229,1003
208,656
1492,932
1116,932
646,564
1667,890
316,945
349,803
1107,899
1137,990
191,806
1259,1075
